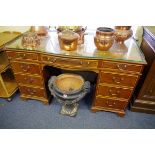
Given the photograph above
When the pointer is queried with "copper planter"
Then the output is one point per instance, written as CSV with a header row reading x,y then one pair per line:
x,y
104,38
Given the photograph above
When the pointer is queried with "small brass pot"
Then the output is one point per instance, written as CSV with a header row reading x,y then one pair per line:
x,y
104,38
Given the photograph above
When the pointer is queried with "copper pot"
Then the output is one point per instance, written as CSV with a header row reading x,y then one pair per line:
x,y
77,29
68,40
104,38
122,33
40,30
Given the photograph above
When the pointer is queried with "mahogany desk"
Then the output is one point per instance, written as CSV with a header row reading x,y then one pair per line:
x,y
118,72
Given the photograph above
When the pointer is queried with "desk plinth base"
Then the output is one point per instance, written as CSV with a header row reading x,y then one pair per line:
x,y
120,113
44,100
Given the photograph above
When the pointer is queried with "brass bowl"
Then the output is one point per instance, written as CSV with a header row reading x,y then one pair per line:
x,y
122,33
68,40
104,38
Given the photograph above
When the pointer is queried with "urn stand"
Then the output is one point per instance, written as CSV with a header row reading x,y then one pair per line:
x,y
68,89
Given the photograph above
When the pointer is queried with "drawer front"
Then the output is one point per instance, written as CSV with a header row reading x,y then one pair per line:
x,y
110,103
22,55
114,92
118,79
29,80
25,68
122,66
66,62
32,91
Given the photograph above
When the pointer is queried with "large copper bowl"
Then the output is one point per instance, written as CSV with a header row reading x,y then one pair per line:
x,y
104,38
122,33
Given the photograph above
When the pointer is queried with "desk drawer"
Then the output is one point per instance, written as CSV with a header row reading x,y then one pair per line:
x,y
70,62
118,79
114,92
110,103
29,80
30,91
122,66
22,55
25,68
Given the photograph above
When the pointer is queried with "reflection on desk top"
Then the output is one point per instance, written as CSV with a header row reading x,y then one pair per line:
x,y
50,45
7,36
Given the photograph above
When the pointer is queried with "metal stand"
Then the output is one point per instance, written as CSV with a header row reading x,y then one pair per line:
x,y
70,101
69,109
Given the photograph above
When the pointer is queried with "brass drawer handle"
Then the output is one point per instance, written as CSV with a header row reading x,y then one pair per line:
x,y
110,104
31,91
117,80
112,93
84,63
121,66
23,56
51,59
28,79
25,68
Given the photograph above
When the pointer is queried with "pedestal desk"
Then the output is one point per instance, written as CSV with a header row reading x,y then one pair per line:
x,y
118,69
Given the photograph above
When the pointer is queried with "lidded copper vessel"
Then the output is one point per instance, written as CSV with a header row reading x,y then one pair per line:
x,y
122,33
80,30
68,40
104,38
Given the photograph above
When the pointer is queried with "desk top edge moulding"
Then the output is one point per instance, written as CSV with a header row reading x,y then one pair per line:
x,y
118,70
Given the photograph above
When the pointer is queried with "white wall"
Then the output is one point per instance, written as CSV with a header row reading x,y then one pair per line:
x,y
14,28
